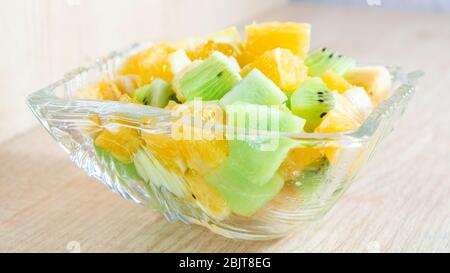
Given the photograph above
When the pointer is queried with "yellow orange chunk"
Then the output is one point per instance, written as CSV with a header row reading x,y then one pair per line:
x,y
297,160
268,36
127,98
150,64
285,69
103,90
343,118
335,82
376,80
166,150
122,142
207,197
196,148
203,50
245,57
203,147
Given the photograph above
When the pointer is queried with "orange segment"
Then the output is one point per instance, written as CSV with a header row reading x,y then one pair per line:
x,y
297,159
245,57
109,90
208,198
267,36
149,64
203,50
343,118
127,98
203,148
197,150
285,69
193,158
204,155
179,155
103,90
227,41
376,80
197,120
166,150
122,142
332,153
335,82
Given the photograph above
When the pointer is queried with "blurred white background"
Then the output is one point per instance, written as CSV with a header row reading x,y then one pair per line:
x,y
43,39
424,5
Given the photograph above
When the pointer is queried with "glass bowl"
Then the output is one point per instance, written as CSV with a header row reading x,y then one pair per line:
x,y
172,177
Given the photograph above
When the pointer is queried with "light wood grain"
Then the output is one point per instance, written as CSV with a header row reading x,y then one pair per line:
x,y
400,203
42,39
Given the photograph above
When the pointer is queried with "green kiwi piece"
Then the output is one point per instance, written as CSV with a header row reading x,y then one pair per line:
x,y
247,177
125,171
323,59
312,178
255,88
312,101
245,198
263,118
156,94
144,94
210,79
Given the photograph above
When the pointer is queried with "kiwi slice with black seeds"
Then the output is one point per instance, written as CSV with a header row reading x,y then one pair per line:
x,y
312,101
208,80
324,59
157,93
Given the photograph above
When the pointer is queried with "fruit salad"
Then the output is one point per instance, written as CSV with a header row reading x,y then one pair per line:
x,y
234,105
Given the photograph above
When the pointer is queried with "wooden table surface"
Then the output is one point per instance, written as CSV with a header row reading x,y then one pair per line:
x,y
400,202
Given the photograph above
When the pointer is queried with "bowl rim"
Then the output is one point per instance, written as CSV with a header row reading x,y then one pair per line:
x,y
400,95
